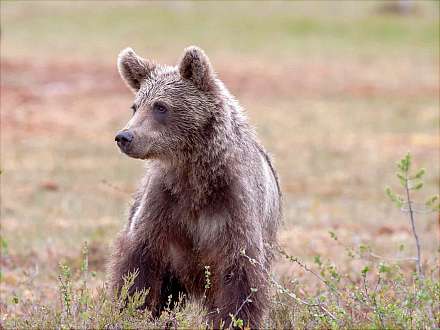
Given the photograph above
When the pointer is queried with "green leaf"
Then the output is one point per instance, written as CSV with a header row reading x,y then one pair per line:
x,y
431,200
420,173
363,248
407,162
399,201
365,270
317,260
384,268
3,246
390,193
333,235
396,199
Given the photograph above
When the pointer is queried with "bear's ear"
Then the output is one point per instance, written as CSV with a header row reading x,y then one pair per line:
x,y
195,66
133,69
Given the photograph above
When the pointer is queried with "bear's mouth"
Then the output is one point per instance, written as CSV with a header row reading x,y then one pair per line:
x,y
132,154
138,154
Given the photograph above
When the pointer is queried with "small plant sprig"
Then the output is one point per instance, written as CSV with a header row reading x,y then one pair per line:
x,y
65,288
406,204
207,280
412,182
238,322
271,280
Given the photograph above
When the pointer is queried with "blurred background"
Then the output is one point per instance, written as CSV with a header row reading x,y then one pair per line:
x,y
337,90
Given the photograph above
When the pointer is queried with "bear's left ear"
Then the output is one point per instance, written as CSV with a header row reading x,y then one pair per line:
x,y
195,66
133,69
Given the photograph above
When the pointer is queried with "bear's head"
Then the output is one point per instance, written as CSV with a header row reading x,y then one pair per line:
x,y
174,106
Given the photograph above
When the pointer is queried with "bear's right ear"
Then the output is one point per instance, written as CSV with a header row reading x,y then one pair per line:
x,y
196,67
133,69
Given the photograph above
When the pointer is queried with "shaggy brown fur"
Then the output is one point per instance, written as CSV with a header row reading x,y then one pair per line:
x,y
209,192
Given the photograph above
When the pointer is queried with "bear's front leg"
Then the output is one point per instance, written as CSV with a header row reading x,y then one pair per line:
x,y
133,256
240,291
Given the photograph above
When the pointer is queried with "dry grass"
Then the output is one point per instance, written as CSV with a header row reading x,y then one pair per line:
x,y
337,93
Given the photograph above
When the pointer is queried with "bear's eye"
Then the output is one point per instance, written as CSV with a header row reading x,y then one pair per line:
x,y
134,108
160,107
160,112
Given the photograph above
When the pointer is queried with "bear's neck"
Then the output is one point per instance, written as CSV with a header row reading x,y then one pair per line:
x,y
209,168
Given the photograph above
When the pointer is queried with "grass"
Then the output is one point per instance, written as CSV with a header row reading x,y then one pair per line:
x,y
351,90
166,29
381,295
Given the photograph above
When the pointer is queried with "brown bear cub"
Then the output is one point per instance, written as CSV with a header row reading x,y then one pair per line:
x,y
209,192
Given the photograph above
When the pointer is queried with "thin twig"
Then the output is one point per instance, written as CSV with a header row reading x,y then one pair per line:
x,y
373,301
243,303
114,187
374,255
285,290
411,216
332,288
248,299
306,268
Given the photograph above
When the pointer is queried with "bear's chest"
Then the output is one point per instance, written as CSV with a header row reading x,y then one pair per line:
x,y
171,220
207,228
196,241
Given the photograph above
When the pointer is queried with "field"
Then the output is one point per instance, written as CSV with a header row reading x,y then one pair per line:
x,y
337,91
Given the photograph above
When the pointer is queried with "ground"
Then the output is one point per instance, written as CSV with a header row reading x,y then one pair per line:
x,y
337,92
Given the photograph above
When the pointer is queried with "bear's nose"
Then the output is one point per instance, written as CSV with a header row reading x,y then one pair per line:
x,y
123,138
